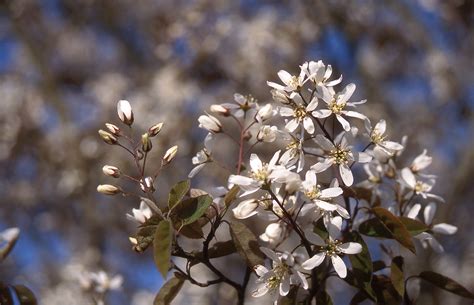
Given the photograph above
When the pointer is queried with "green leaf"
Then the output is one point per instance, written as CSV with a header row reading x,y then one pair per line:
x,y
168,291
192,230
396,275
373,227
146,233
446,283
177,193
192,209
322,297
362,267
25,295
231,195
396,227
386,293
246,244
162,246
414,226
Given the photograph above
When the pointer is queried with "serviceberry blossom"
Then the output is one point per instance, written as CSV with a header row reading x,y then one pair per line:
x,y
242,104
336,104
141,214
277,280
319,74
427,238
377,137
210,123
300,113
203,156
333,249
292,82
419,186
259,175
339,153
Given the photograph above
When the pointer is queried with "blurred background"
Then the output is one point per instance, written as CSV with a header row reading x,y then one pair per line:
x,y
64,64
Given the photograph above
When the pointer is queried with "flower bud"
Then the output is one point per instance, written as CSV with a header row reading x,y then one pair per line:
x,y
146,142
107,137
265,112
147,185
108,189
124,111
155,129
210,123
219,109
111,171
113,129
245,209
170,154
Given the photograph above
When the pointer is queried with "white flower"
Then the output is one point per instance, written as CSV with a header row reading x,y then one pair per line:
x,y
301,113
260,174
103,282
419,187
274,233
294,152
337,103
241,105
246,209
292,82
267,133
203,156
278,280
440,228
421,162
124,111
375,172
377,137
332,249
339,153
264,113
210,123
141,214
319,74
322,198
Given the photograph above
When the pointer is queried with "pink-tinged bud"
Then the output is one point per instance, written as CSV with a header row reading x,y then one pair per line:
x,y
210,123
170,154
111,171
113,129
155,129
147,184
108,189
107,137
219,109
146,143
124,111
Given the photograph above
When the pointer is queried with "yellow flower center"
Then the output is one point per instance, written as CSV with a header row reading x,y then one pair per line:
x,y
261,174
376,137
339,155
335,107
299,112
294,82
314,193
332,247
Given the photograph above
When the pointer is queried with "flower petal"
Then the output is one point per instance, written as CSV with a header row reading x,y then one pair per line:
x,y
314,261
350,248
346,174
339,266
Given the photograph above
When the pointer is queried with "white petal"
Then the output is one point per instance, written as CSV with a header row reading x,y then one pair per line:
x,y
415,209
245,209
286,111
362,157
284,76
302,279
260,270
322,113
324,142
261,291
429,212
346,174
346,93
390,145
240,180
285,286
310,178
354,114
321,166
314,261
444,228
292,125
380,127
308,125
408,177
339,266
255,162
196,170
334,225
350,248
331,192
343,212
270,254
312,105
435,245
276,86
314,238
345,124
325,205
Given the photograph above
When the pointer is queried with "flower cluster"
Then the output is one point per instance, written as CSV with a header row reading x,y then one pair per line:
x,y
310,192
